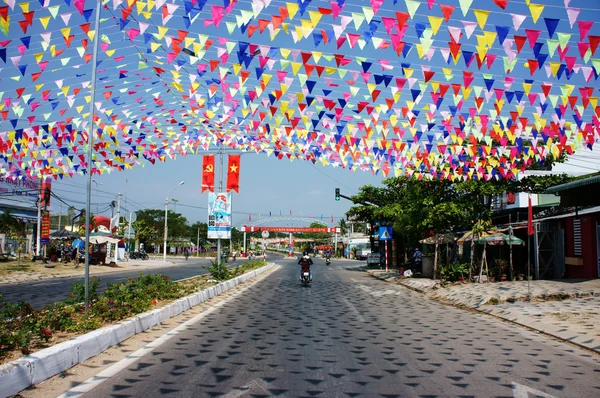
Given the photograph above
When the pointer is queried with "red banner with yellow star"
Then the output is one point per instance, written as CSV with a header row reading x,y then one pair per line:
x,y
233,173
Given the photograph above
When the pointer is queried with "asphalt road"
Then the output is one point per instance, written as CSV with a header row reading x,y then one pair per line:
x,y
349,335
41,293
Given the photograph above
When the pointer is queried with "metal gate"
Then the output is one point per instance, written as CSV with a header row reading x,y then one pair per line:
x,y
550,253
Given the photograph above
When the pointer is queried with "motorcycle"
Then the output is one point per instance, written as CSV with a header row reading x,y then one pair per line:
x,y
328,261
305,278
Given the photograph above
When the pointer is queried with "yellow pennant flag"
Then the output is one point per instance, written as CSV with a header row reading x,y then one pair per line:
x,y
536,11
482,16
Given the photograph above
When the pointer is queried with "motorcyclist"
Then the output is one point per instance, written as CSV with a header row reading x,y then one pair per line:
x,y
305,263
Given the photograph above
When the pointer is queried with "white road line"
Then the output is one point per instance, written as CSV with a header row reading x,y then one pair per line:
x,y
358,315
245,389
129,360
353,280
521,391
327,276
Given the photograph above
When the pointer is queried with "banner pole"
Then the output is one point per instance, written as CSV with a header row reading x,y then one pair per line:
x,y
220,190
88,203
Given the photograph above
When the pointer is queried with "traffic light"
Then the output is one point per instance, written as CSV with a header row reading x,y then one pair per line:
x,y
337,194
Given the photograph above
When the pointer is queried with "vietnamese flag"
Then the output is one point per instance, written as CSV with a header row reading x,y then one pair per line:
x,y
233,173
530,219
208,173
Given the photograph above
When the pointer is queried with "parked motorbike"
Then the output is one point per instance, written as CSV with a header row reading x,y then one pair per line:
x,y
139,255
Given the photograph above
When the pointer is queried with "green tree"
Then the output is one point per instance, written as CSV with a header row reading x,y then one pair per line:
x,y
318,237
150,223
10,225
417,206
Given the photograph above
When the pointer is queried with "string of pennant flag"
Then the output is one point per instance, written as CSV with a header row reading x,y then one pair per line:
x,y
430,89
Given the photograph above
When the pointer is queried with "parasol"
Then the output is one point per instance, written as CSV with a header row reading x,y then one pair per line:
x,y
499,238
64,234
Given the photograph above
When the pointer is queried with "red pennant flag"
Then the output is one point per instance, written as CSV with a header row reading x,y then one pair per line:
x,y
530,219
233,173
208,173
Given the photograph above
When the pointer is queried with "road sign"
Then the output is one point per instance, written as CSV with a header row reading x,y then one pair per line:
x,y
265,234
385,233
373,258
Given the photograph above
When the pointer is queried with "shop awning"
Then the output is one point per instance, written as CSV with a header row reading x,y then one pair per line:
x,y
29,214
574,185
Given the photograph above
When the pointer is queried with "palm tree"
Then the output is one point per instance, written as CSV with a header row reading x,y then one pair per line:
x,y
343,227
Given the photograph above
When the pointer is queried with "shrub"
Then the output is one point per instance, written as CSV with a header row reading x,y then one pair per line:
x,y
454,272
77,294
218,272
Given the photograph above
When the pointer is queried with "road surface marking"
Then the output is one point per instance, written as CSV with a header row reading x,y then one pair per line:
x,y
358,315
129,360
353,280
247,388
521,391
327,276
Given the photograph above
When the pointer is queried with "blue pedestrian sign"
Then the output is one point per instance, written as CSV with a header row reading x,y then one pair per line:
x,y
385,233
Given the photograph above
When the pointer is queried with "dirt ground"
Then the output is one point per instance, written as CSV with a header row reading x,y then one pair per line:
x,y
14,268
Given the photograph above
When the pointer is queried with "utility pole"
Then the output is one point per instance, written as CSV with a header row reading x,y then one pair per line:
x,y
129,233
118,222
198,244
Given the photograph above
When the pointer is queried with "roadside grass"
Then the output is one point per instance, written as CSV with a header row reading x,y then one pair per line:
x,y
24,330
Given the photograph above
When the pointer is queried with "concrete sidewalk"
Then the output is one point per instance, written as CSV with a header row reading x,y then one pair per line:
x,y
566,309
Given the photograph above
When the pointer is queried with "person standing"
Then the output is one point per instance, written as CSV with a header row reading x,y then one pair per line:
x,y
418,259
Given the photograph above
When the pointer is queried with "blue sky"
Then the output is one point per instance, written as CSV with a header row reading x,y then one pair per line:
x,y
267,185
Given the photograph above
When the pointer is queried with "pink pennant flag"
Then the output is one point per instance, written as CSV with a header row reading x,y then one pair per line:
x,y
532,36
469,27
517,20
79,5
573,13
375,4
584,28
133,33
430,3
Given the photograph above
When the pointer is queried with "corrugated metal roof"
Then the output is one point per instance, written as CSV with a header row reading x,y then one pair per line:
x,y
574,184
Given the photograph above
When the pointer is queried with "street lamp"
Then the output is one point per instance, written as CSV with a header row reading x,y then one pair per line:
x,y
97,197
166,216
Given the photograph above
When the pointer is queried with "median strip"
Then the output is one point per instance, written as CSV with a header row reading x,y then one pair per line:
x,y
32,369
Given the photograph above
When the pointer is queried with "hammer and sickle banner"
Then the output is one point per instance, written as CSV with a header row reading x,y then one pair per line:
x,y
208,173
233,173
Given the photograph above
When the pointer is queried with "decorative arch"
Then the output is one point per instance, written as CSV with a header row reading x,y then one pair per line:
x,y
281,218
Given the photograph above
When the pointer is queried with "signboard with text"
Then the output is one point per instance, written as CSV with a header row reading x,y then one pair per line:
x,y
45,233
19,190
219,215
290,229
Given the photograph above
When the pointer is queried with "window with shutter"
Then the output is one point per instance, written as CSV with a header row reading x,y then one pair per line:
x,y
577,237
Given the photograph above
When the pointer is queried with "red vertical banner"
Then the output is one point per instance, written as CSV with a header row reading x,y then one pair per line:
x,y
530,219
208,173
46,191
45,230
233,173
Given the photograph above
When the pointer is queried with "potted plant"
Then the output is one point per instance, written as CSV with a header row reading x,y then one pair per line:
x,y
501,269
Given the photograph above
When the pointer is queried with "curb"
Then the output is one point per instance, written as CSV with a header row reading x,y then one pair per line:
x,y
463,307
24,372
